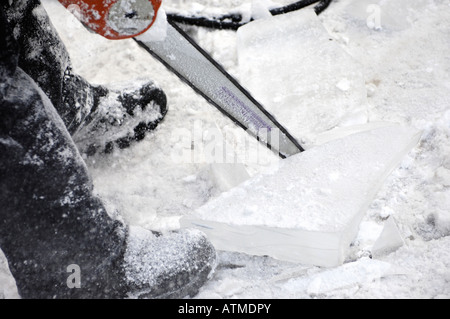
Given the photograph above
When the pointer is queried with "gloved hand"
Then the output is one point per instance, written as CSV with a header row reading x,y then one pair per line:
x,y
115,19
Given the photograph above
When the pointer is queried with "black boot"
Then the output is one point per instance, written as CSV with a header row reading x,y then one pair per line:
x,y
120,117
174,265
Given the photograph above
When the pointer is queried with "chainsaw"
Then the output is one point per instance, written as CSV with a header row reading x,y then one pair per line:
x,y
123,19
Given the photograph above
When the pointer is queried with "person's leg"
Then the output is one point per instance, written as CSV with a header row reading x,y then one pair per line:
x,y
9,54
50,219
42,56
45,195
99,119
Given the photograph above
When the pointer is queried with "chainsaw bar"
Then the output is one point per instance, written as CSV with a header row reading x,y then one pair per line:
x,y
193,65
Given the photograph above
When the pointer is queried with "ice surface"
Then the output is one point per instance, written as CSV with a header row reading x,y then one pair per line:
x,y
306,80
260,9
309,210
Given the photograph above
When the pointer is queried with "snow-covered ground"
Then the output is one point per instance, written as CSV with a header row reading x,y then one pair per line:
x,y
399,47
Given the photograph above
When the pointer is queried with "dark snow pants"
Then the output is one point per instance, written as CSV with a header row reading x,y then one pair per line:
x,y
58,238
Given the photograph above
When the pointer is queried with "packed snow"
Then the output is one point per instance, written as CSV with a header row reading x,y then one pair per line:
x,y
397,48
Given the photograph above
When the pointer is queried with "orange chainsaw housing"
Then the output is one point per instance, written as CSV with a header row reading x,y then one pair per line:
x,y
94,15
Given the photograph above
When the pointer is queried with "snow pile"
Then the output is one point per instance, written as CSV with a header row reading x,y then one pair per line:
x,y
309,209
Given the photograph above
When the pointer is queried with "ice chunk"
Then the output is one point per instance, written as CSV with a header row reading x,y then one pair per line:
x,y
261,8
305,79
158,31
347,276
390,239
228,175
309,210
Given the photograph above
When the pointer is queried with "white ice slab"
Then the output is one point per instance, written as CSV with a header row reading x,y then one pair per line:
x,y
305,79
309,210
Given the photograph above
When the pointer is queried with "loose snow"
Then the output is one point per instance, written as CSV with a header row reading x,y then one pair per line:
x,y
387,57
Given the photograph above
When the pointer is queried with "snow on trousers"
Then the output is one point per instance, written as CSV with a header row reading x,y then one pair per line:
x,y
50,221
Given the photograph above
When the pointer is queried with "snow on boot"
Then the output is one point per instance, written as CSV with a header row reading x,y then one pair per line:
x,y
120,117
166,266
